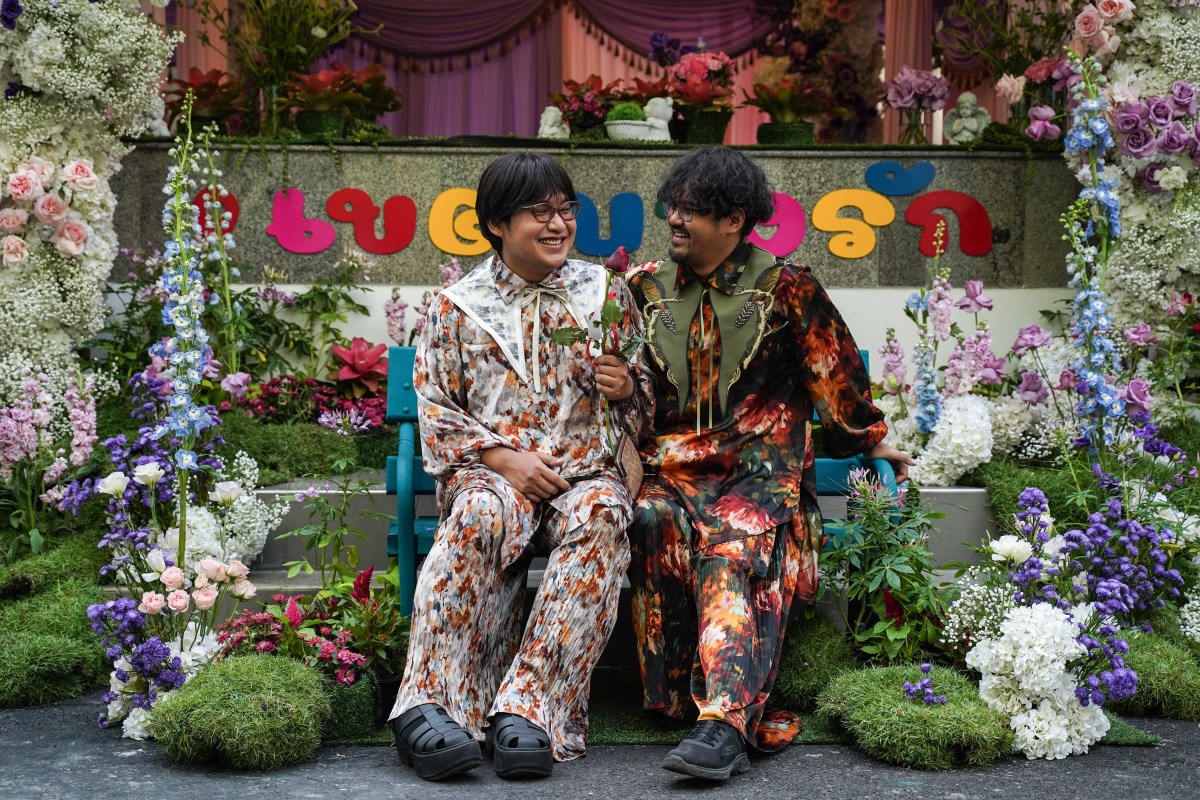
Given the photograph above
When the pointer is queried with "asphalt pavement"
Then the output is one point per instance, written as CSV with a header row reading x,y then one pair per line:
x,y
56,751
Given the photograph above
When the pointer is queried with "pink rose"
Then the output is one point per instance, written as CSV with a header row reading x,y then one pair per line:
x,y
1088,22
79,175
1114,11
15,250
71,237
205,597
216,570
1141,335
13,220
40,167
152,603
200,581
243,590
1010,89
172,577
51,209
25,186
1040,124
236,569
1105,42
177,600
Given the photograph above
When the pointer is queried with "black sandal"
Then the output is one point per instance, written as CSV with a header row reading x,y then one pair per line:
x,y
519,748
433,744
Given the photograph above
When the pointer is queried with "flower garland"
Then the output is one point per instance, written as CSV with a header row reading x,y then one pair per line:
x,y
79,76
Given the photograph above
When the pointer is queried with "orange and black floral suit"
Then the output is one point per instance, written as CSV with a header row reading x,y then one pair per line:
x,y
726,529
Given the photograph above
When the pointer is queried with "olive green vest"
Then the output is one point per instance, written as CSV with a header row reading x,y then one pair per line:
x,y
741,319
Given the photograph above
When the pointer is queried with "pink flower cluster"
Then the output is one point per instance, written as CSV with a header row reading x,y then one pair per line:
x,y
212,578
964,370
25,426
940,308
394,311
916,89
35,198
703,79
335,653
1095,26
894,371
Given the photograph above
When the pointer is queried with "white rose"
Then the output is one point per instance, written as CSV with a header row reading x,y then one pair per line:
x,y
114,484
148,474
1011,548
227,491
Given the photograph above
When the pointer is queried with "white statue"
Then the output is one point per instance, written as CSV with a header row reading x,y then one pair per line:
x,y
552,125
152,118
659,111
966,121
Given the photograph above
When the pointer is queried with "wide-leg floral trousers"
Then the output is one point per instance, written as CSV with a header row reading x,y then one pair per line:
x,y
710,624
466,652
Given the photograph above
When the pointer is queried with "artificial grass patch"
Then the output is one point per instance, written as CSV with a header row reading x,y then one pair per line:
x,y
50,653
284,452
871,706
1005,480
351,711
72,556
249,712
814,651
1168,679
1124,734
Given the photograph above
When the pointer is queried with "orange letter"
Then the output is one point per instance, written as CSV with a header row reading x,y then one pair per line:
x,y
855,238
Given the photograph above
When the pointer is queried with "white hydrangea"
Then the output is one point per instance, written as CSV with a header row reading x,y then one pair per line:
x,y
961,442
1026,674
1189,615
1010,420
902,427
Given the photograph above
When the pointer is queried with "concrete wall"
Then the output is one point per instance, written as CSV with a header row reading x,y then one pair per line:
x,y
1023,197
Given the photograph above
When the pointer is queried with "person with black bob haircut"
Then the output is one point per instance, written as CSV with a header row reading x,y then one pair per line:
x,y
726,528
513,429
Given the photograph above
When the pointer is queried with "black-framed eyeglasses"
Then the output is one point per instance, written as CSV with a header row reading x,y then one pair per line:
x,y
544,212
685,213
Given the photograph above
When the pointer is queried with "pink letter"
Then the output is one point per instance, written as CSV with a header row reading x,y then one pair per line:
x,y
295,232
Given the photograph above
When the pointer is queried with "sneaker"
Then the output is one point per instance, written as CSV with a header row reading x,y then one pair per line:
x,y
714,750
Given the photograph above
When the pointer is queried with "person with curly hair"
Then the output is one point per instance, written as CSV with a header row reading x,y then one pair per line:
x,y
726,529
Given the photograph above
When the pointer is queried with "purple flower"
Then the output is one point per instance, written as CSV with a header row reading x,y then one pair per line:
x,y
236,384
1175,139
1040,124
974,300
1031,337
1131,116
1139,143
1033,389
1160,112
1136,395
10,12
1183,98
345,423
1141,334
1067,379
993,371
900,90
1149,177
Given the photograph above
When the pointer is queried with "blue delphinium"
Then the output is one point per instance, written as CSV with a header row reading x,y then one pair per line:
x,y
929,400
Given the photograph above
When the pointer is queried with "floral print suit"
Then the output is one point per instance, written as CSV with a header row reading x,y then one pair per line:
x,y
726,529
487,375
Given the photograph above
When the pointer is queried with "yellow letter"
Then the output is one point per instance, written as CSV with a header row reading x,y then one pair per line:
x,y
456,233
856,238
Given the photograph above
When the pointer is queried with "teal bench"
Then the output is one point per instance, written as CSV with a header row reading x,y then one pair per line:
x,y
411,535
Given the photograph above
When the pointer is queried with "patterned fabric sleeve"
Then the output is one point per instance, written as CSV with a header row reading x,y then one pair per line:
x,y
452,439
637,412
831,368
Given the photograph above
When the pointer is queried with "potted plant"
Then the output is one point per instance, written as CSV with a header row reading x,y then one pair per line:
x,y
216,98
322,101
702,85
584,106
627,122
370,83
789,103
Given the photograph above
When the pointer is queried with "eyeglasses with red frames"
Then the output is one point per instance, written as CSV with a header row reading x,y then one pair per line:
x,y
544,212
